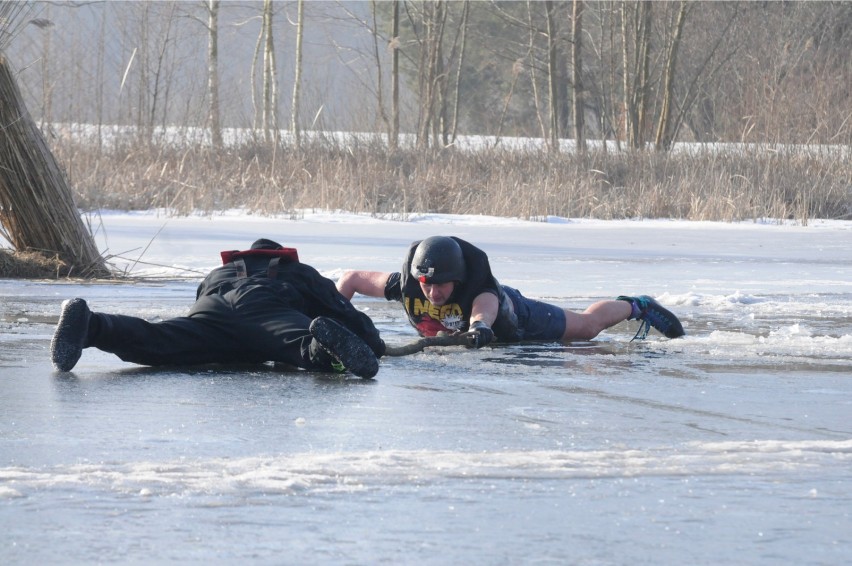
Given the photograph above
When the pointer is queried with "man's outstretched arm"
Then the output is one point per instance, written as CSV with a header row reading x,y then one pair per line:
x,y
369,283
482,316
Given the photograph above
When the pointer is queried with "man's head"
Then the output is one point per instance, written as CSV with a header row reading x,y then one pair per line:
x,y
438,264
265,244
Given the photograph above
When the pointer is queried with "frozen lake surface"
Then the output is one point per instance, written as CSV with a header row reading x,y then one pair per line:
x,y
731,445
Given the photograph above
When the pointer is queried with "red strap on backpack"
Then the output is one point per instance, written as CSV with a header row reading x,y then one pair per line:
x,y
284,254
275,257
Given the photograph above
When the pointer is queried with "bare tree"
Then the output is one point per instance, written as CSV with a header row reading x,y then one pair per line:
x,y
213,112
552,76
641,82
380,99
162,68
142,94
636,46
432,19
46,74
269,89
432,22
99,79
459,67
663,139
394,137
578,107
716,55
517,69
211,25
530,55
297,79
152,64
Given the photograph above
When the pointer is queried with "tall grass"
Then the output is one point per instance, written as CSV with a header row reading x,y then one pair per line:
x,y
748,183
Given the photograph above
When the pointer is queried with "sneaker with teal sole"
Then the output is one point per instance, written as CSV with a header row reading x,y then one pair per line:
x,y
652,313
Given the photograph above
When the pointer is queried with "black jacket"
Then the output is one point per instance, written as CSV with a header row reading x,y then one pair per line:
x,y
301,286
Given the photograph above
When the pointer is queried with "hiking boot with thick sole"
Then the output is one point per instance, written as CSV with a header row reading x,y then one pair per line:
x,y
652,313
345,347
71,334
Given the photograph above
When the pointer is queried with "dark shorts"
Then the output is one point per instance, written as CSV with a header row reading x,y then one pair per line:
x,y
536,320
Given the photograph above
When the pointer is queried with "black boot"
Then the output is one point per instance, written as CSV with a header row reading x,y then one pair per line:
x,y
344,346
72,334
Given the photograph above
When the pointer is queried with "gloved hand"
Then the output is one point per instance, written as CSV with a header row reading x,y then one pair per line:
x,y
481,334
369,334
378,346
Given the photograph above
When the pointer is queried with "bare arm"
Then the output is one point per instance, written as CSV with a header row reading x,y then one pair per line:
x,y
369,283
485,307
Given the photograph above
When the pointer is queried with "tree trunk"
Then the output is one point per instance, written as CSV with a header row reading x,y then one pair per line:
x,y
643,83
454,126
394,137
380,83
142,130
432,78
37,210
46,77
532,30
663,138
297,79
160,92
213,115
270,94
577,76
552,78
635,72
427,73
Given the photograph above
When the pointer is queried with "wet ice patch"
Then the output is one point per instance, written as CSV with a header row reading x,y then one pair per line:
x,y
724,338
792,331
738,298
365,470
791,341
7,492
710,301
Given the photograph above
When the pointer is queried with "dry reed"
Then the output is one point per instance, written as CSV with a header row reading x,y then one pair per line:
x,y
712,185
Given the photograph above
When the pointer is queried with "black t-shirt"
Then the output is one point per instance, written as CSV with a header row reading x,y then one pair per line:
x,y
429,319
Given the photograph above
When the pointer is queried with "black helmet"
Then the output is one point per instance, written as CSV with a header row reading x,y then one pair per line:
x,y
438,259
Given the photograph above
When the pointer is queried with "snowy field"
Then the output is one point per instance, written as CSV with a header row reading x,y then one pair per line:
x,y
732,445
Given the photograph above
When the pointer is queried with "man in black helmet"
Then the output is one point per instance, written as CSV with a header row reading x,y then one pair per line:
x,y
446,285
261,305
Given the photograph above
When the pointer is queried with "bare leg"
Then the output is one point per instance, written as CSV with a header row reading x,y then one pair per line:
x,y
596,318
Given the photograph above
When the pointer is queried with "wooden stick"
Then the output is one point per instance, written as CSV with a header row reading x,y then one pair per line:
x,y
463,339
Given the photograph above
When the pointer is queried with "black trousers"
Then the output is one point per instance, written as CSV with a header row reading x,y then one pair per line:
x,y
249,324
